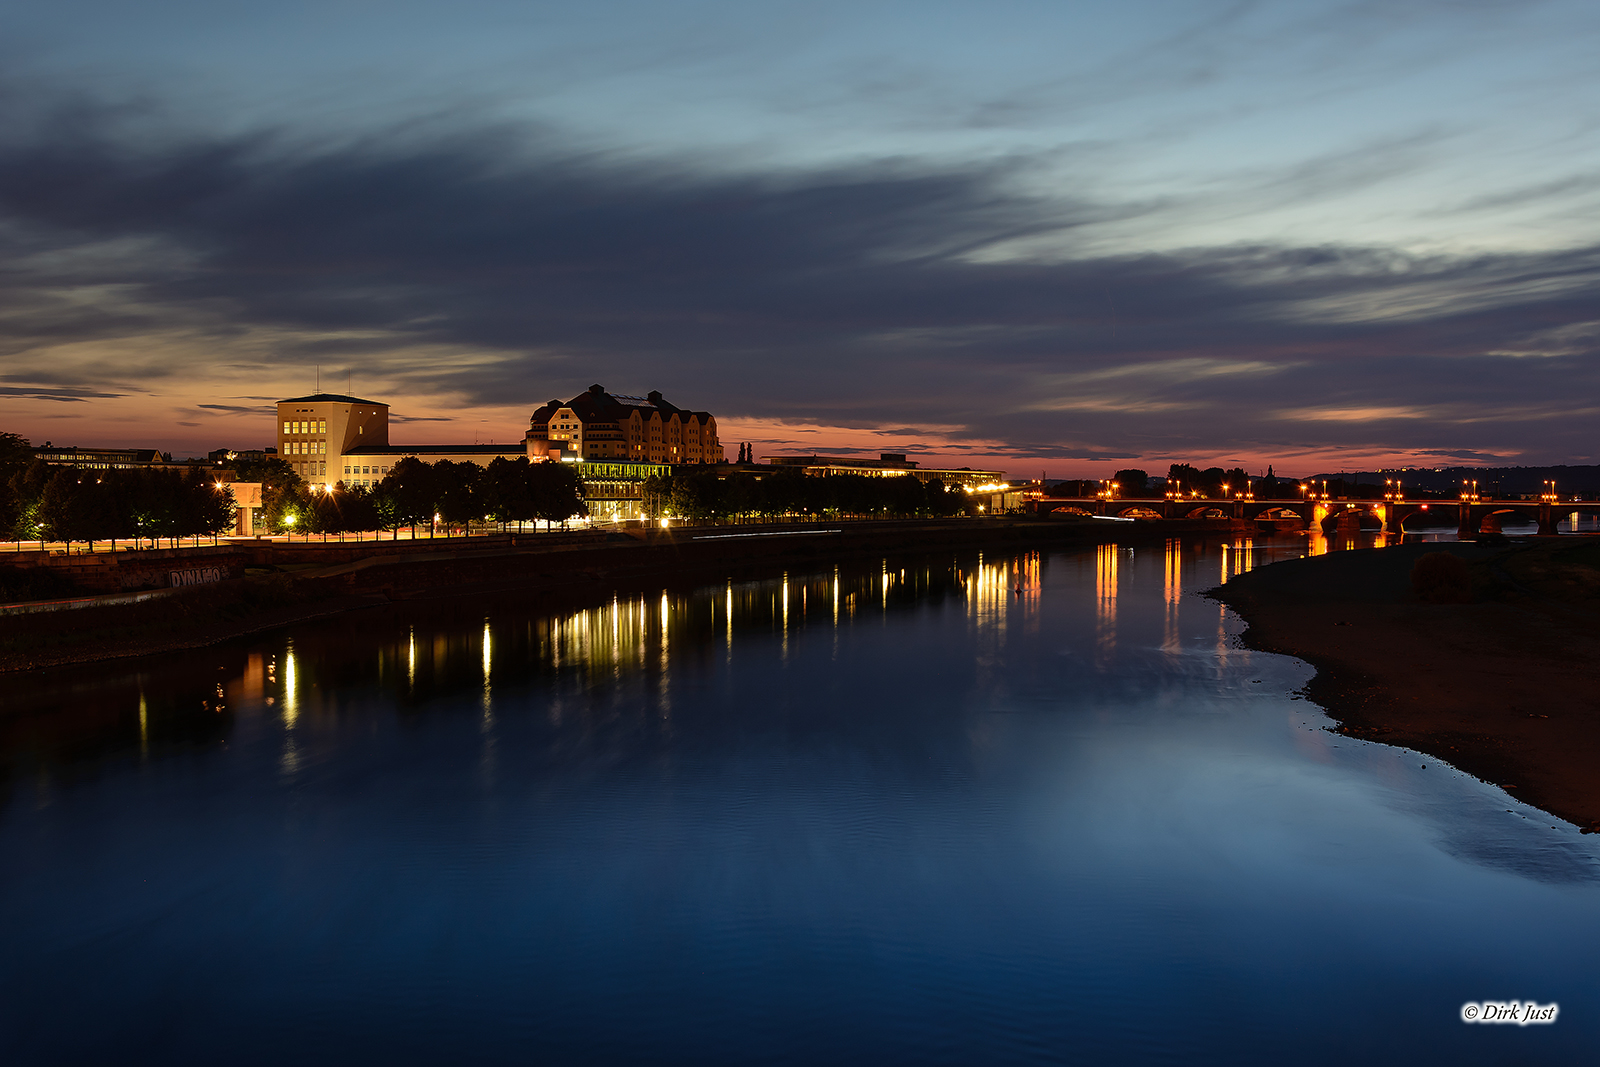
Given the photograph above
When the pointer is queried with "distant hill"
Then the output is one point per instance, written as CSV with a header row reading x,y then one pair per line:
x,y
1491,480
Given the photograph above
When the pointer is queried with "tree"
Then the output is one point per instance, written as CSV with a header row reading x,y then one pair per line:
x,y
16,456
697,495
60,507
406,494
207,507
341,510
456,485
503,490
944,502
656,496
282,490
557,491
27,488
1131,482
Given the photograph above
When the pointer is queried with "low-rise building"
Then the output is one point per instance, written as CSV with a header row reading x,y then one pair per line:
x,y
101,458
895,464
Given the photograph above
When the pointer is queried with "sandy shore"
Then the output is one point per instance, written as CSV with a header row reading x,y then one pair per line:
x,y
1505,687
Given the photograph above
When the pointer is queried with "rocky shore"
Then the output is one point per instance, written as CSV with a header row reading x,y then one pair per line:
x,y
1496,672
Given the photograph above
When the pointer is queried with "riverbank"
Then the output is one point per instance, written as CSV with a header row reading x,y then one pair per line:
x,y
285,583
1503,685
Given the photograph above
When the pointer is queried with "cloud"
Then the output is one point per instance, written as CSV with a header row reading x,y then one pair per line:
x,y
494,267
63,396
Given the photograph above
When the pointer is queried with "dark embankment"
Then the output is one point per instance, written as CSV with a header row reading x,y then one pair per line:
x,y
1489,663
282,583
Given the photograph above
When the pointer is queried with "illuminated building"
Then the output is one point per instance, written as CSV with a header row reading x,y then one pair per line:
x,y
598,426
100,458
894,464
329,438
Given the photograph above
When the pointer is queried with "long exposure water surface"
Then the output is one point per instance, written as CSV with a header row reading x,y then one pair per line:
x,y
1007,808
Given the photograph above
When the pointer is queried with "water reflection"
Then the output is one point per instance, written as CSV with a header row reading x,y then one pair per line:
x,y
1107,561
969,794
418,658
291,687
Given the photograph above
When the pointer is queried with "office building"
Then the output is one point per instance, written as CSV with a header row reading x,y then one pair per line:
x,y
329,438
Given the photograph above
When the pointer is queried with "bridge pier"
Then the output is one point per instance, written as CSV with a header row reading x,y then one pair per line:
x,y
1465,529
1547,520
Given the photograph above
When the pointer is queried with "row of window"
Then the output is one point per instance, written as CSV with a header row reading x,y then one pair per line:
x,y
306,426
306,448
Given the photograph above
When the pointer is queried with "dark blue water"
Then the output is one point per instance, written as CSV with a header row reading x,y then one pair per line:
x,y
1016,809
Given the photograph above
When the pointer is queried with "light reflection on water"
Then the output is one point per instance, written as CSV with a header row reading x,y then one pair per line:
x,y
1008,807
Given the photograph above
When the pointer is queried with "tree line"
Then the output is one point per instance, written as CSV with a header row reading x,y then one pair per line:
x,y
702,494
41,502
415,493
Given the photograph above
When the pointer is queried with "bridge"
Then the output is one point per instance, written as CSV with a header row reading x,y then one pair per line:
x,y
1474,514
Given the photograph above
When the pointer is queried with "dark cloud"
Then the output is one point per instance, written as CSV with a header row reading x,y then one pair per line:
x,y
64,396
865,297
1461,453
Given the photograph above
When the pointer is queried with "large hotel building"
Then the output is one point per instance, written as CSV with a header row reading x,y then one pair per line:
x,y
598,425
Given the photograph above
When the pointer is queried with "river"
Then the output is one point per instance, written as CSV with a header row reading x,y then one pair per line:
x,y
1000,808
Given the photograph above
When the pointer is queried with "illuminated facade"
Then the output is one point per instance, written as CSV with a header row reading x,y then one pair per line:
x,y
99,458
317,433
597,426
328,438
894,464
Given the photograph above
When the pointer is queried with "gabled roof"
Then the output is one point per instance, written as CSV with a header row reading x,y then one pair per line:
x,y
332,398
597,405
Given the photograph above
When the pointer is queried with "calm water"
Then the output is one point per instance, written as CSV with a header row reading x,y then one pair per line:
x,y
1010,809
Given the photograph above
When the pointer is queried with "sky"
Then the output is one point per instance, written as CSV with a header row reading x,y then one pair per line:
x,y
1043,237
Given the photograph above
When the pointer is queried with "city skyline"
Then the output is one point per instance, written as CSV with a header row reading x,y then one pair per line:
x,y
1318,236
